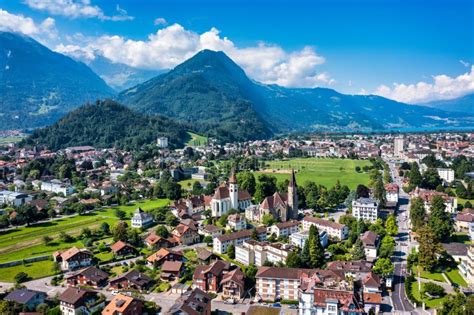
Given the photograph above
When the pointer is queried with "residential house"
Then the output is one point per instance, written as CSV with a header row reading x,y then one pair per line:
x,y
76,301
171,270
186,234
154,241
257,253
30,299
236,222
365,209
299,238
371,242
123,305
451,203
73,258
208,277
131,280
464,222
58,187
284,229
210,230
141,219
391,193
14,199
162,255
90,276
221,243
233,284
195,302
122,249
335,230
353,269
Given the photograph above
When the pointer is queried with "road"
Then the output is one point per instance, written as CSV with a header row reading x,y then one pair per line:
x,y
399,298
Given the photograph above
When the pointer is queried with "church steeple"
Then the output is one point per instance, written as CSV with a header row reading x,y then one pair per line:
x,y
292,197
233,190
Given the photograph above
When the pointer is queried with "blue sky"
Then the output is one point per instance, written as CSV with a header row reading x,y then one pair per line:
x,y
351,46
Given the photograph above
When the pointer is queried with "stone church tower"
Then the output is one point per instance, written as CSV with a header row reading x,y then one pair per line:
x,y
292,198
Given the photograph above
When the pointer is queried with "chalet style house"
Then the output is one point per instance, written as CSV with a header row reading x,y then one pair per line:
x,y
131,280
90,276
73,258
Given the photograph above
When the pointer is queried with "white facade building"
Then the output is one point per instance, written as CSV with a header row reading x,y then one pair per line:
x,y
299,238
446,174
141,219
236,222
365,209
162,142
284,229
13,199
58,187
335,230
221,243
257,253
228,197
398,146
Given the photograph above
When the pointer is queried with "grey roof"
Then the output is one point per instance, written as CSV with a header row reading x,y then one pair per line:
x,y
22,296
455,249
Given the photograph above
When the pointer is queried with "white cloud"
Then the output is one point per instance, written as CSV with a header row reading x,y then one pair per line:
x,y
160,21
77,9
174,44
443,87
19,23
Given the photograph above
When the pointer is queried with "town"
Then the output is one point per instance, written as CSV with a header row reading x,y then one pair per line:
x,y
316,224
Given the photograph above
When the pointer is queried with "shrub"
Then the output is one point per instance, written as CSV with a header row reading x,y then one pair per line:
x,y
433,290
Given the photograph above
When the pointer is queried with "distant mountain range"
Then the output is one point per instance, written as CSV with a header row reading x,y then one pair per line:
x,y
463,104
38,86
107,124
209,92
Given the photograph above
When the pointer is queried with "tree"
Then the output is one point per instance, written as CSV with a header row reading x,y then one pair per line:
x,y
266,186
47,239
358,251
254,235
105,228
387,247
268,219
293,260
119,213
231,251
431,179
207,239
391,225
316,251
379,191
417,212
171,220
197,188
162,231
250,273
362,191
383,267
428,248
415,175
65,238
120,231
21,277
433,289
440,221
457,304
246,181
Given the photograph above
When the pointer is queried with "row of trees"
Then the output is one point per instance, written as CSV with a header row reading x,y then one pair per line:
x,y
440,221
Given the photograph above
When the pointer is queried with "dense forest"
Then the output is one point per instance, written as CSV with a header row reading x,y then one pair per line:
x,y
107,124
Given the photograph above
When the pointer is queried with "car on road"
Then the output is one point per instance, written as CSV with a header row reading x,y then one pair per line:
x,y
114,292
276,305
293,307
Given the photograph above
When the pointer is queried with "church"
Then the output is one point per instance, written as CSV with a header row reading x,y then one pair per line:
x,y
229,196
282,207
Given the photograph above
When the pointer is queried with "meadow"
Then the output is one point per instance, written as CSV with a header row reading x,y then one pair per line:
x,y
25,242
196,140
322,171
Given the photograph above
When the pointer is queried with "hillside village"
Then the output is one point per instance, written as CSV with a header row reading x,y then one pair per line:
x,y
240,226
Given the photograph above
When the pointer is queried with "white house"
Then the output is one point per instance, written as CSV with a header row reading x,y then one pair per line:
x,y
335,230
14,199
141,219
236,222
221,243
365,209
162,142
257,253
284,229
299,238
58,187
391,193
371,245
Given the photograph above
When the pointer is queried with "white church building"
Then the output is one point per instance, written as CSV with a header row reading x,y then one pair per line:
x,y
228,196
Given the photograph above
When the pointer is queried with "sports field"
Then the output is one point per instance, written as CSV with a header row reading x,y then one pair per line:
x,y
322,171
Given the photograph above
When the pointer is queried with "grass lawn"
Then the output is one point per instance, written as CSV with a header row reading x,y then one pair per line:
x,y
187,183
462,201
431,303
7,140
104,256
27,242
34,270
196,140
437,276
117,270
322,171
190,255
455,277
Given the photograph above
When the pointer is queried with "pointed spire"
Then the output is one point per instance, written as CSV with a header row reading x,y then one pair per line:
x,y
232,178
292,182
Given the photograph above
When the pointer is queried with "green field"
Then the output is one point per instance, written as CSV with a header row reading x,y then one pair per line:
x,y
187,183
26,242
34,270
437,276
7,140
322,171
462,201
455,277
431,303
196,140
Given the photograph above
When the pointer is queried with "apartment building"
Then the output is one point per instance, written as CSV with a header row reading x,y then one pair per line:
x,y
365,209
298,239
371,241
257,253
467,267
277,283
446,174
335,230
221,242
58,187
284,229
14,199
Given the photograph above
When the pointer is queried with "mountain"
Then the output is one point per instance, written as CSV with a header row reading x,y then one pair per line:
x,y
106,124
211,89
464,104
118,75
38,86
